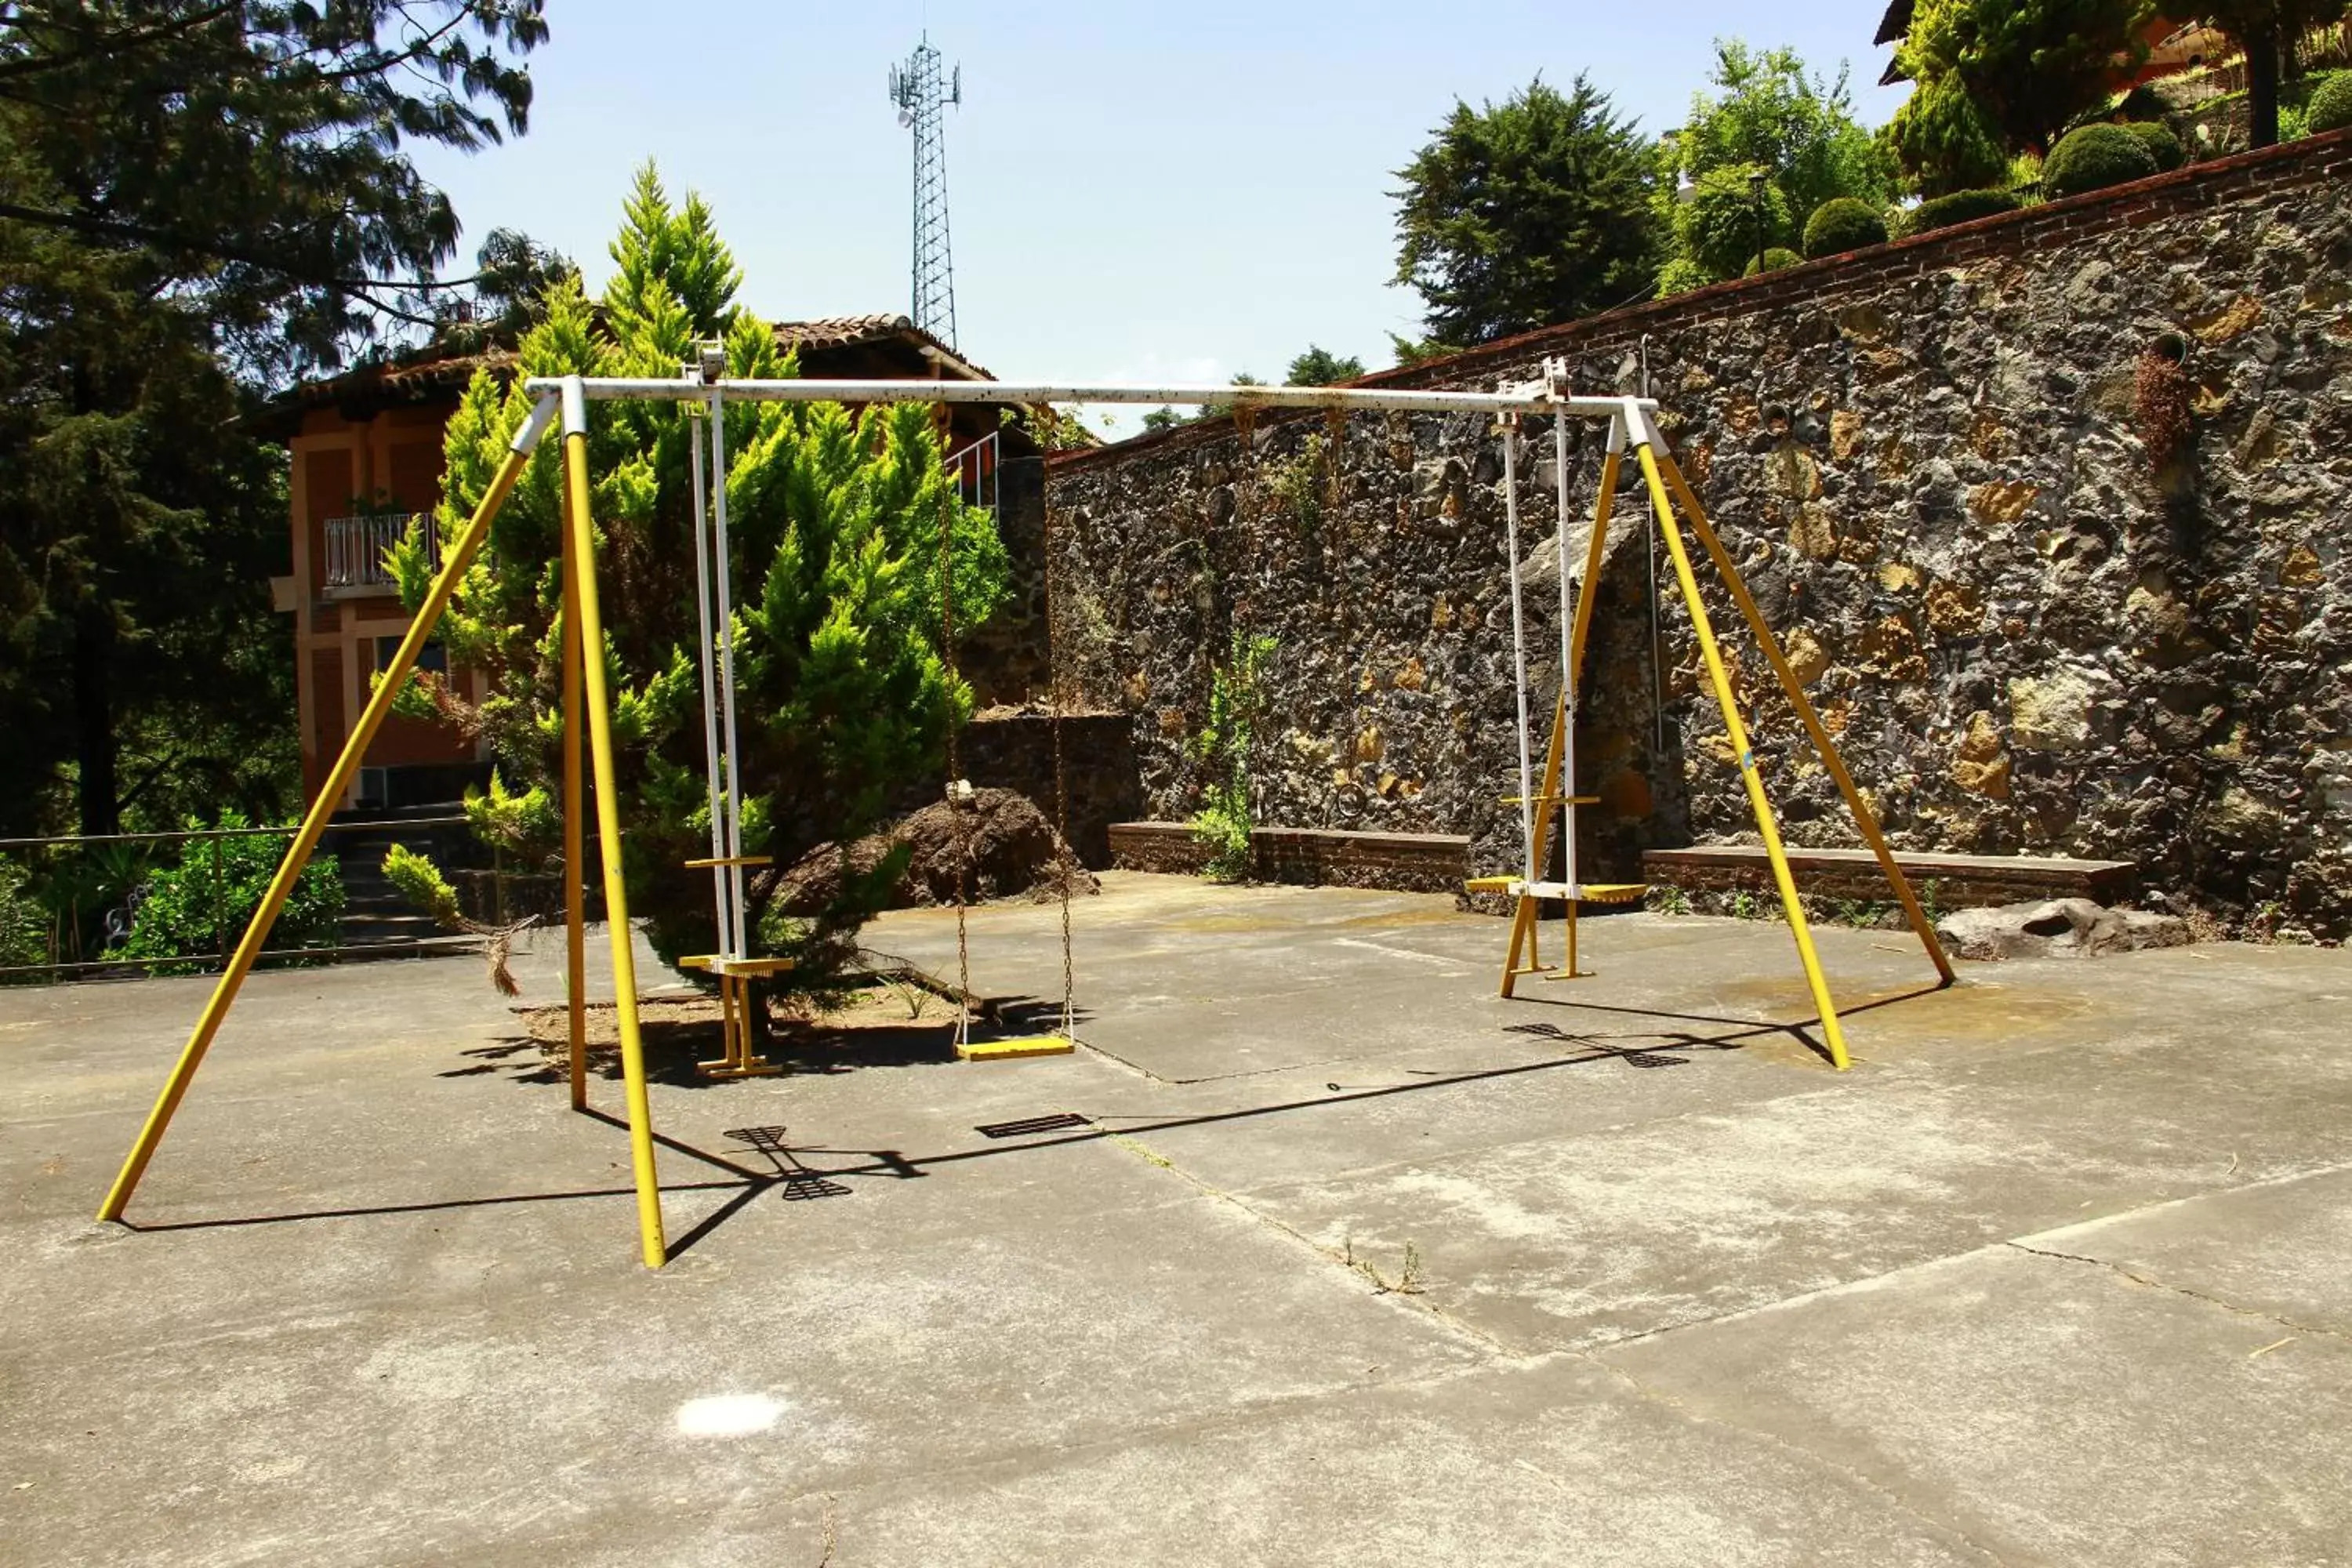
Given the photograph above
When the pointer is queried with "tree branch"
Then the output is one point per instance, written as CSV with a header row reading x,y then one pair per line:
x,y
114,228
108,46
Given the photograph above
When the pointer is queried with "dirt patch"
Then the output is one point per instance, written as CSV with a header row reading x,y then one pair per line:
x,y
1005,846
871,1025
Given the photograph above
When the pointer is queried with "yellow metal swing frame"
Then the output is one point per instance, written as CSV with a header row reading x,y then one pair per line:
x,y
1634,428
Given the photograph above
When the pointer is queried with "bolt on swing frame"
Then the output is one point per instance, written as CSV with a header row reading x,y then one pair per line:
x,y
587,701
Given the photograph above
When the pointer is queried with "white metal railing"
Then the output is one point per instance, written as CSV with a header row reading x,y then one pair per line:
x,y
975,472
356,546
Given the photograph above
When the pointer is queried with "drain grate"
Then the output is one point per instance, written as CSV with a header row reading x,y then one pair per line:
x,y
1061,1121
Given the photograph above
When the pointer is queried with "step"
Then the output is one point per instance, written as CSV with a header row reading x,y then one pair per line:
x,y
1958,880
1349,858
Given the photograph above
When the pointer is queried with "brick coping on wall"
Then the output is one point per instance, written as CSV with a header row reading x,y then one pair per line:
x,y
2240,176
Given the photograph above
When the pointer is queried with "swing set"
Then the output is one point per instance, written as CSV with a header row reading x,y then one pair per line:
x,y
587,712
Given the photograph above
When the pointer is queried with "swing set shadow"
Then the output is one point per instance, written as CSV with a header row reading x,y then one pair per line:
x,y
794,1179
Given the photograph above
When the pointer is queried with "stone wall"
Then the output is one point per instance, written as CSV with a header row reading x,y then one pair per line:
x,y
2028,634
1014,750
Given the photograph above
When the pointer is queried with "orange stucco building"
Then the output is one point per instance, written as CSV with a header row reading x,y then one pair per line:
x,y
366,451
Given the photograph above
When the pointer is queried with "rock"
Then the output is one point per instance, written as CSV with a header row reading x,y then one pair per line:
x,y
2001,503
2050,713
2060,927
1008,848
1980,766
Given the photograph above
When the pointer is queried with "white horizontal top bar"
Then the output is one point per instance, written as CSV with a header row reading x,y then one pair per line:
x,y
1530,399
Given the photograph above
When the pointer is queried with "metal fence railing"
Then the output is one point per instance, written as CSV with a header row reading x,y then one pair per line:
x,y
69,906
356,546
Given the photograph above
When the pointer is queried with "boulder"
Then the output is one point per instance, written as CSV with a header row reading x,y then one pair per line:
x,y
1010,851
2064,928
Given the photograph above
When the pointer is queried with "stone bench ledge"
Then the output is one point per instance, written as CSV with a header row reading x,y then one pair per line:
x,y
1983,877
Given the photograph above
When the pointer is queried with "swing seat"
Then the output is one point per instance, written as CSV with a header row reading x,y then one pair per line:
x,y
1585,893
1007,1050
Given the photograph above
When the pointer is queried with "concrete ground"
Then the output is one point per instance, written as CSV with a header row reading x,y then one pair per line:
x,y
1349,1261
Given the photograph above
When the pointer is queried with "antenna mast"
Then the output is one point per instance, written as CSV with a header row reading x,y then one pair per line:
x,y
921,93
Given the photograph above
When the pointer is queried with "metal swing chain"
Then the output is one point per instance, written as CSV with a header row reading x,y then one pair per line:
x,y
950,497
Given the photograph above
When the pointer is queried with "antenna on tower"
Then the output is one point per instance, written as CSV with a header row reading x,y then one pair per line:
x,y
921,93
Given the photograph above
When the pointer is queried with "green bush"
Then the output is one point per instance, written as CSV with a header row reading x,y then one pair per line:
x,y
2330,108
1681,275
2092,158
187,908
1773,260
1843,223
24,923
1960,206
1236,701
1718,224
2161,143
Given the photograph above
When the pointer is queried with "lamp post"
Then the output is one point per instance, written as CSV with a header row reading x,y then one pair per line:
x,y
1756,203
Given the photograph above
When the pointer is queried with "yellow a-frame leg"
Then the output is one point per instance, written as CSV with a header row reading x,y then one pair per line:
x,y
1863,819
580,535
1743,753
1524,915
338,784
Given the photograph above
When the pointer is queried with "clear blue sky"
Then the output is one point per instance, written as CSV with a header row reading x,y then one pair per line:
x,y
1139,192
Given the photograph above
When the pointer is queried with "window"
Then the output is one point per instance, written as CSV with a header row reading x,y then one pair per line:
x,y
433,656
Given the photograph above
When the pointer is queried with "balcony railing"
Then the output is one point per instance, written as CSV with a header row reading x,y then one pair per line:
x,y
356,546
975,472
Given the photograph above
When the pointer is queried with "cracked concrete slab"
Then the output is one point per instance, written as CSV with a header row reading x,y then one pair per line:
x,y
386,1309
2280,1249
2051,1413
1556,1461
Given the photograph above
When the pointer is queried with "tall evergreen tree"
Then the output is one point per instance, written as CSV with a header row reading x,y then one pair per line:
x,y
187,185
1320,367
1520,216
834,521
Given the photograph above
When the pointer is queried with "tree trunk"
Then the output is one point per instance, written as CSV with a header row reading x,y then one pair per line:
x,y
94,744
2263,87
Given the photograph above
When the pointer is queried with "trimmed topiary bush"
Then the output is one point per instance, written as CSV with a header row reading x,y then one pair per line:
x,y
2161,143
1960,206
2092,158
1843,223
1774,259
2331,105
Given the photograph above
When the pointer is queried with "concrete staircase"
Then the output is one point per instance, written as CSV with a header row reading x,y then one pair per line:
x,y
377,921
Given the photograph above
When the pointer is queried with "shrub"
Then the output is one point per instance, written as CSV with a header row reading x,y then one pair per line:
x,y
1843,223
1774,259
1681,275
2330,108
2092,158
1718,224
1960,206
24,924
1236,700
2161,143
188,907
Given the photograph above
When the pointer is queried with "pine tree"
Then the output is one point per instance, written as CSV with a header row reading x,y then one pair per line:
x,y
833,521
197,200
1525,214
